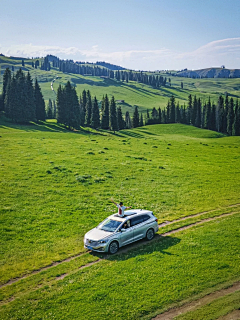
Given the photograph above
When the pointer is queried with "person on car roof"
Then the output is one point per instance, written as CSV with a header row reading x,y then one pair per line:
x,y
121,208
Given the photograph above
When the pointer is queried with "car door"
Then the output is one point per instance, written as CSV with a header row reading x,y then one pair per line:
x,y
138,228
126,236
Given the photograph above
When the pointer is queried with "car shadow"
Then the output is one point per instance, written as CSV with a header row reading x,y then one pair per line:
x,y
140,248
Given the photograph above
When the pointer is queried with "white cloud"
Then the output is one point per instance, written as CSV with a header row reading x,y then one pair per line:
x,y
215,53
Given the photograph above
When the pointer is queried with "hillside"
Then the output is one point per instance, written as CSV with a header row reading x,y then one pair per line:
x,y
128,94
210,73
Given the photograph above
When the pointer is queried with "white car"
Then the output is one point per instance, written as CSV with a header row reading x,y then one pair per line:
x,y
116,232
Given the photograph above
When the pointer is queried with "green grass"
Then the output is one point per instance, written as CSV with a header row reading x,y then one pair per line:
x,y
142,282
56,185
218,308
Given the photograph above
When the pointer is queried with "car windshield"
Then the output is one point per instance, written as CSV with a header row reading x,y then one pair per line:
x,y
109,225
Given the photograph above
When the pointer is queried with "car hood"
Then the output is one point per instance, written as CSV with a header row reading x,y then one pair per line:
x,y
96,234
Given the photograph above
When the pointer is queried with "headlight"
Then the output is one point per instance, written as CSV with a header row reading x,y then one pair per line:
x,y
103,241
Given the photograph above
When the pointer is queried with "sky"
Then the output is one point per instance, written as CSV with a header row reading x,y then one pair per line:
x,y
136,34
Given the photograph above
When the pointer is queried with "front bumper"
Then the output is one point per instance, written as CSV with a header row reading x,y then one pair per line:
x,y
94,246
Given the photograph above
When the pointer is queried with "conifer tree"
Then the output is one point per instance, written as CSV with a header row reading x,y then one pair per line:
x,y
230,117
189,110
60,105
39,102
178,114
221,114
95,119
136,117
88,109
84,103
120,121
128,120
194,111
213,118
159,115
172,110
198,114
6,81
30,106
49,109
167,116
105,114
236,122
113,115
141,120
11,100
207,118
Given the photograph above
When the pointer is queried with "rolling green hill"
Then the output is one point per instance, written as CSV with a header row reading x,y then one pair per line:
x,y
131,93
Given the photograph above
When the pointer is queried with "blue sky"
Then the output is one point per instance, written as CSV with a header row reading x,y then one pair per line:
x,y
138,34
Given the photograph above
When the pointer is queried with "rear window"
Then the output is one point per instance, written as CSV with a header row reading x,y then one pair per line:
x,y
136,220
145,217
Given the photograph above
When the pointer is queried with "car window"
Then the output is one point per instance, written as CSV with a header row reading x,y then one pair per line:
x,y
136,220
145,217
109,225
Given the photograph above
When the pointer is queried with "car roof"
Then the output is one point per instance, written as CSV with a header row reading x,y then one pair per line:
x,y
129,213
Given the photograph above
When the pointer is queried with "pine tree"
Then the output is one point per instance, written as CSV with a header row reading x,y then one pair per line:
x,y
54,109
141,119
39,102
6,81
194,111
172,110
105,114
136,117
236,123
198,114
207,119
113,115
213,118
11,100
49,110
74,120
120,121
178,114
95,119
128,120
30,106
221,115
84,103
168,113
159,115
230,117
88,109
60,105
189,110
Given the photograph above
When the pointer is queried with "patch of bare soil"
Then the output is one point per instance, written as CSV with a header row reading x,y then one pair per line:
x,y
193,305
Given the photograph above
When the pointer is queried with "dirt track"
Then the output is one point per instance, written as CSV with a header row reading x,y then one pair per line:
x,y
199,303
125,249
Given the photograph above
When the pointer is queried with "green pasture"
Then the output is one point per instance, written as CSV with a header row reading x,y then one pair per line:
x,y
56,184
139,284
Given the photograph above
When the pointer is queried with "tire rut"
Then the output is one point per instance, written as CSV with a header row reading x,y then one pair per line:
x,y
193,305
127,248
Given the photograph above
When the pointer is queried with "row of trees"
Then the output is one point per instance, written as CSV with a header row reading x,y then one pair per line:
x,y
21,100
87,111
223,117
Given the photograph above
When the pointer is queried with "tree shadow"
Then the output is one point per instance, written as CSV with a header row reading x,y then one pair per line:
x,y
132,134
142,249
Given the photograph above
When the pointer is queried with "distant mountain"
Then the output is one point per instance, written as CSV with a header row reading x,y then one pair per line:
x,y
209,73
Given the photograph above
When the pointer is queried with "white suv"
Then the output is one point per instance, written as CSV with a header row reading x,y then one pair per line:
x,y
115,231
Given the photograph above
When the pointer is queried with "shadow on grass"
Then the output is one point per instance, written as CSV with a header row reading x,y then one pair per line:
x,y
43,126
142,248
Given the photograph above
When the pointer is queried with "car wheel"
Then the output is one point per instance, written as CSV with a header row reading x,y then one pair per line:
x,y
113,247
150,234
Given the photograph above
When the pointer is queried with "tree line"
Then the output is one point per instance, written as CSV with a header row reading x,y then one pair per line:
x,y
88,111
21,100
222,117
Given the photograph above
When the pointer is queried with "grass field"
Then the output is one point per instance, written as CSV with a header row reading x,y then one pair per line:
x,y
56,185
133,93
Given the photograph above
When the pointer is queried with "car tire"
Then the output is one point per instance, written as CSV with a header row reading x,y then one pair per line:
x,y
113,247
150,234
